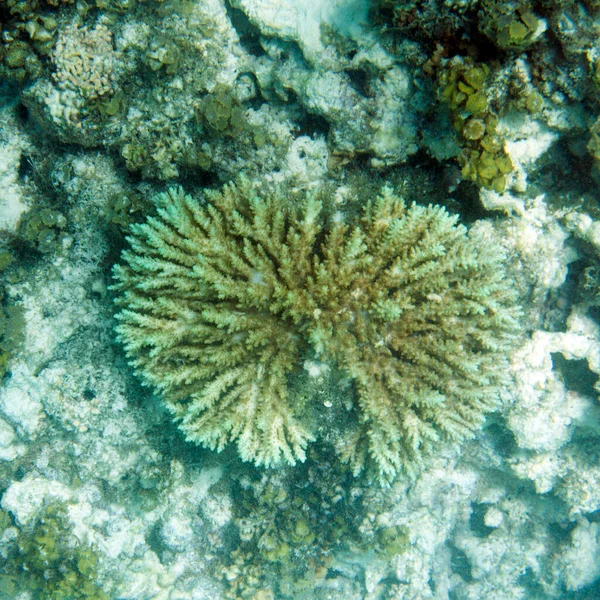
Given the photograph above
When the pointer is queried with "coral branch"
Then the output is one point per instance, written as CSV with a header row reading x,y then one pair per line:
x,y
222,302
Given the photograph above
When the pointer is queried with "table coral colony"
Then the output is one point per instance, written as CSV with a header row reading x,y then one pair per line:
x,y
224,299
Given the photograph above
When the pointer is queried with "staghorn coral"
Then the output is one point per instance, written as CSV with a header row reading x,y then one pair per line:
x,y
224,300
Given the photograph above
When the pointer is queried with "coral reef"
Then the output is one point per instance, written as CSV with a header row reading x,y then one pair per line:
x,y
511,25
15,192
298,530
483,158
317,103
12,326
43,227
84,61
45,560
28,34
223,301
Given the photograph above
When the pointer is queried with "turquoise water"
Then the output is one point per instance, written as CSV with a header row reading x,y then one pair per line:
x,y
299,300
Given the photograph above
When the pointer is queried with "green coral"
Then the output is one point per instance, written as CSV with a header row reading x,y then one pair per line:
x,y
46,560
511,25
125,208
44,228
593,145
28,30
224,300
288,531
462,86
222,112
5,259
163,53
12,333
292,525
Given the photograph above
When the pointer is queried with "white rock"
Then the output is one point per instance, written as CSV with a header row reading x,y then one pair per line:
x,y
302,20
12,199
25,498
493,517
581,562
526,140
541,419
307,160
20,400
543,469
8,450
